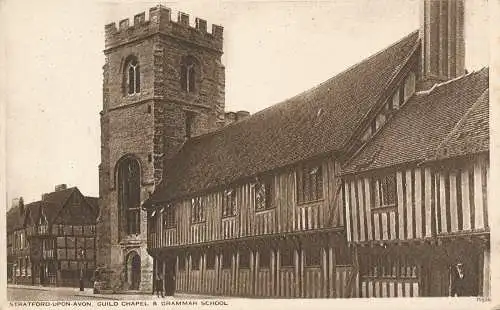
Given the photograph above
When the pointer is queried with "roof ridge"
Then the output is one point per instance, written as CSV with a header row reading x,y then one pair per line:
x,y
351,67
309,90
438,85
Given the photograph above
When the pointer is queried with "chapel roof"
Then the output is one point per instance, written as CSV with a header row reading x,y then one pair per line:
x,y
316,122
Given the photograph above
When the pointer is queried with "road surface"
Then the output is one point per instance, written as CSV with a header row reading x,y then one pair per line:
x,y
16,294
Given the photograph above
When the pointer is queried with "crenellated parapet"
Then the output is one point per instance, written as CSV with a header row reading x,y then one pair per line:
x,y
160,21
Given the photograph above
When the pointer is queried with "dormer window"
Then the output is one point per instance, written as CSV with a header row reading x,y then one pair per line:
x,y
188,74
395,100
409,86
133,79
379,121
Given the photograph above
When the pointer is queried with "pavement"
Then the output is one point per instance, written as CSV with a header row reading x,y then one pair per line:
x,y
33,292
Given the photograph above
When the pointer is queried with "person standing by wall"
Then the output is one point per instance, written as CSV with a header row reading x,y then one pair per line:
x,y
159,284
459,281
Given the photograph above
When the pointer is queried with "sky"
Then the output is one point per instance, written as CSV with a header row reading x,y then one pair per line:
x,y
273,50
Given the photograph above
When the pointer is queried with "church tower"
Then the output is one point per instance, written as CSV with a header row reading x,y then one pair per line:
x,y
163,83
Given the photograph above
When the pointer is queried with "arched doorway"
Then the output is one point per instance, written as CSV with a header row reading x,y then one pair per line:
x,y
133,270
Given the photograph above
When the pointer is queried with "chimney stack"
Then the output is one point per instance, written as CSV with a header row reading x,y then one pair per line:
x,y
15,203
20,203
443,42
60,187
242,114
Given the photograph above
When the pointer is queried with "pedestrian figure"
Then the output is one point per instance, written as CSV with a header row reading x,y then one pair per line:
x,y
81,279
159,284
459,283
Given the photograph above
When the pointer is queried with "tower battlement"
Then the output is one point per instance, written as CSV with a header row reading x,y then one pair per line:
x,y
160,21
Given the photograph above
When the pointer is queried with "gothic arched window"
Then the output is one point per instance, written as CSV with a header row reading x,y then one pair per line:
x,y
129,190
133,77
188,74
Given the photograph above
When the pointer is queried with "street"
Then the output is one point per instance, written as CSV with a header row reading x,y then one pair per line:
x,y
43,293
16,294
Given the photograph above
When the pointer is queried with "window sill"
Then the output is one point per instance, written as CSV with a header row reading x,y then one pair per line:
x,y
132,95
229,217
310,202
379,209
312,266
390,278
264,211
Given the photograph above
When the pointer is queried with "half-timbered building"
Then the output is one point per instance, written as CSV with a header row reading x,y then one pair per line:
x,y
416,195
262,205
52,241
255,208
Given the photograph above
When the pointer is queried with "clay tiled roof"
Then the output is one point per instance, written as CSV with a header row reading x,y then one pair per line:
x,y
424,123
316,122
472,133
14,219
93,202
54,201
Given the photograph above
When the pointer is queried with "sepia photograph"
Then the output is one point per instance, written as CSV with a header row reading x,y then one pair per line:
x,y
224,154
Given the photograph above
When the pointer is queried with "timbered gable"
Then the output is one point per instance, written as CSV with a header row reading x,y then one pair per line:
x,y
76,210
59,237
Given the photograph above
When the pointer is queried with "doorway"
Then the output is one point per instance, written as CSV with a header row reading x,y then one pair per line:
x,y
169,276
42,274
133,270
441,272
